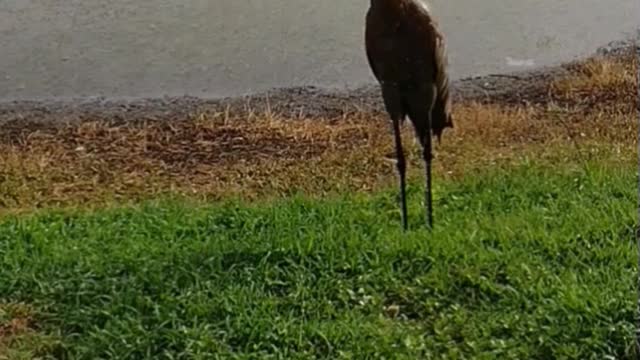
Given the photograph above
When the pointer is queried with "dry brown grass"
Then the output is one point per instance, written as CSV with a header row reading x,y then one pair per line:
x,y
600,83
14,319
19,336
219,155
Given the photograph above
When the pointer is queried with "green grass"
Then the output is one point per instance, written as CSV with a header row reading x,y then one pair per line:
x,y
525,262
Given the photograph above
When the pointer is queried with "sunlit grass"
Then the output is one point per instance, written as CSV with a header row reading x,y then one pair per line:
x,y
528,261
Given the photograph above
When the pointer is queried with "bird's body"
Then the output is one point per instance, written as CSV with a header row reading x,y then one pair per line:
x,y
407,55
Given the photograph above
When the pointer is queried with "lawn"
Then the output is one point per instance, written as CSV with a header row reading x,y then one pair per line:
x,y
525,262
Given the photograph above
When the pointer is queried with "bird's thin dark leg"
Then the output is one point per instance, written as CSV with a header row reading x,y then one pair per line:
x,y
402,168
427,154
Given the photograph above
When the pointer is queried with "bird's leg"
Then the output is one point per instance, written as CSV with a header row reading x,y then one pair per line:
x,y
427,155
402,167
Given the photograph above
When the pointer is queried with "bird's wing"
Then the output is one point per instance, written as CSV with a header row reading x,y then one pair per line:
x,y
371,45
371,56
440,53
372,63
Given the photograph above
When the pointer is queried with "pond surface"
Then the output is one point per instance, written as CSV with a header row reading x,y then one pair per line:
x,y
140,48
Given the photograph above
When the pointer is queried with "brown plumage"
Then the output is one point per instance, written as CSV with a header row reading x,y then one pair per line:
x,y
407,54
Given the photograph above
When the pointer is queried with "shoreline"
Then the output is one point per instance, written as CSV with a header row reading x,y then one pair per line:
x,y
522,86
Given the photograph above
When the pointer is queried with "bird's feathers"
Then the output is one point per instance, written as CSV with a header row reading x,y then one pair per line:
x,y
406,50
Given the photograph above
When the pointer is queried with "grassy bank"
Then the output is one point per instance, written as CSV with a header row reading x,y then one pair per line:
x,y
526,262
280,237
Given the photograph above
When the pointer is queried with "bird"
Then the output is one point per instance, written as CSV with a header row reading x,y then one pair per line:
x,y
407,54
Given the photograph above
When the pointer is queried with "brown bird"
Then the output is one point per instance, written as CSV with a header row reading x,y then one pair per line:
x,y
407,55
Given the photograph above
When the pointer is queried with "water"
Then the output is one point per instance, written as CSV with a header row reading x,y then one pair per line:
x,y
137,48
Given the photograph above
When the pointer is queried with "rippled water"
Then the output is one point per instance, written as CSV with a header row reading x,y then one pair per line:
x,y
122,48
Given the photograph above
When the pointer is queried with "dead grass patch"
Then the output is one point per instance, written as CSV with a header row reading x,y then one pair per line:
x,y
15,319
599,83
219,155
20,337
210,159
